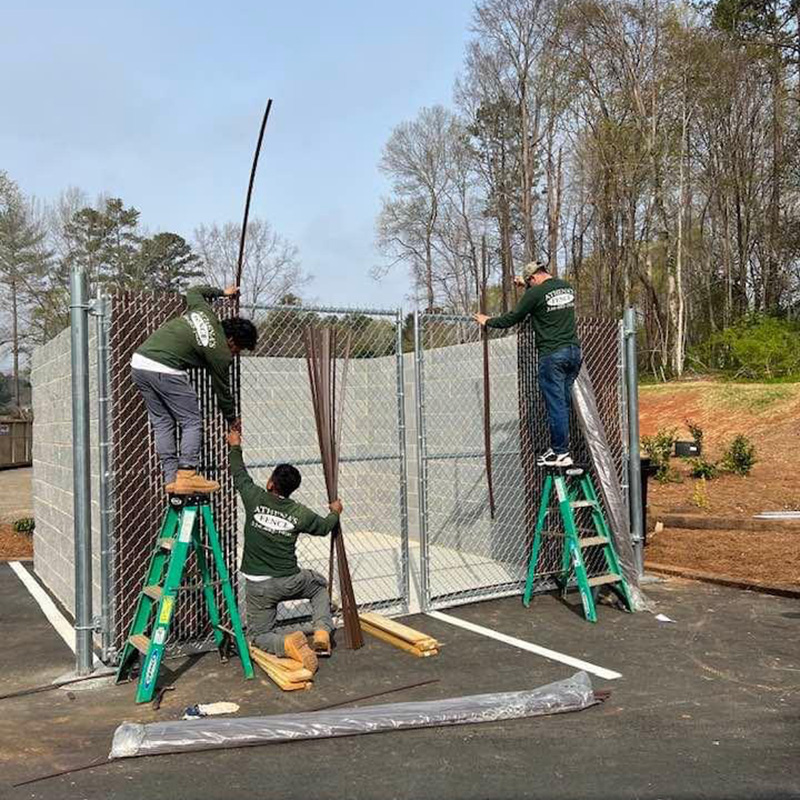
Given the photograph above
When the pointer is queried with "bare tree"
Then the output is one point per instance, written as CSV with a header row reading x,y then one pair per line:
x,y
271,268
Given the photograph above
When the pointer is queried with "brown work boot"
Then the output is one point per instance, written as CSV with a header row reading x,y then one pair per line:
x,y
189,482
295,646
321,643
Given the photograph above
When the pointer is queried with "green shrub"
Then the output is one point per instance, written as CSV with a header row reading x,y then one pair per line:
x,y
758,347
25,525
696,432
702,468
739,456
659,448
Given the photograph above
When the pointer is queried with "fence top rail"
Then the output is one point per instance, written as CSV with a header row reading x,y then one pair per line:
x,y
373,312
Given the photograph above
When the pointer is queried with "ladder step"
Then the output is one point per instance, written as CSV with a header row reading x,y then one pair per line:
x,y
583,504
153,592
140,642
166,544
592,541
603,579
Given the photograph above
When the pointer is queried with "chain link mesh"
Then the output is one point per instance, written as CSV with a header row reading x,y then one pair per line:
x,y
139,499
467,554
279,427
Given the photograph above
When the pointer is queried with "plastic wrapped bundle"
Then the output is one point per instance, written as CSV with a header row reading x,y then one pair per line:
x,y
132,739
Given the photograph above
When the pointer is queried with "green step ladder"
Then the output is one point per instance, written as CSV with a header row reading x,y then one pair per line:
x,y
570,500
179,535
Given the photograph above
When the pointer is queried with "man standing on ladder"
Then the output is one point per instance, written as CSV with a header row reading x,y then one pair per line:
x,y
550,302
159,370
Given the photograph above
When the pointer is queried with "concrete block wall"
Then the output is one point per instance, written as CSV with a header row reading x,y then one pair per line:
x,y
54,556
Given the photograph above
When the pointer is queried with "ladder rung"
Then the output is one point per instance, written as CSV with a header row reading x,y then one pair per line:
x,y
153,592
140,642
583,504
602,579
591,541
167,544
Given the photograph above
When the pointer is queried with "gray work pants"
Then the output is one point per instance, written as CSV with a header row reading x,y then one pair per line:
x,y
171,401
262,607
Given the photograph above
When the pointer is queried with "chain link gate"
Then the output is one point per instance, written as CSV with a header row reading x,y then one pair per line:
x,y
466,555
278,423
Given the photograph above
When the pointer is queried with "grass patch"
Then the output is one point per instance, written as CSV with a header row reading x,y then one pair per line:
x,y
755,399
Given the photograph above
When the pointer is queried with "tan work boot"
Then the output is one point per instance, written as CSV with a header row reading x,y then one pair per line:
x,y
295,646
321,643
189,482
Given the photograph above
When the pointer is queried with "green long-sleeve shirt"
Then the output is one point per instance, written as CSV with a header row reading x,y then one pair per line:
x,y
272,525
551,306
196,339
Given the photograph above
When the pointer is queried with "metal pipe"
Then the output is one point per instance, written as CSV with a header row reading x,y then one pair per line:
x,y
101,309
422,470
634,463
401,434
81,472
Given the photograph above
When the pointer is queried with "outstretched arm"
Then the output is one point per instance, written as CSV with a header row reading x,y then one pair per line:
x,y
322,526
242,481
525,306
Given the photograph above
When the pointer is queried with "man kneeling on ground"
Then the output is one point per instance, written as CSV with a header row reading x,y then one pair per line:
x,y
273,523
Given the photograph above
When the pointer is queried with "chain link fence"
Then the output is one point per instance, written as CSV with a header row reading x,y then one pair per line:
x,y
468,554
279,427
139,499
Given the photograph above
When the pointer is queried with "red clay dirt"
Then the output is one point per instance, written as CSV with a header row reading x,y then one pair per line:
x,y
768,415
14,545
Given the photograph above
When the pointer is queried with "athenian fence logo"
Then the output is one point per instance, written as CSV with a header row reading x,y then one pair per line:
x,y
203,330
273,523
559,298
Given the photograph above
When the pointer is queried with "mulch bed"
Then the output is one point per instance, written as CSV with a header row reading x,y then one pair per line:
x,y
13,544
769,557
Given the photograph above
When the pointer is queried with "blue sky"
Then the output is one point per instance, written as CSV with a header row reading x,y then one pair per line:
x,y
159,103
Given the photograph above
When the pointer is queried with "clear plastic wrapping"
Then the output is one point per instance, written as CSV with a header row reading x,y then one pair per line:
x,y
583,398
133,739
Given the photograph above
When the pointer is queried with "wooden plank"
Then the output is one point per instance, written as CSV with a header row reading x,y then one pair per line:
x,y
280,677
395,628
292,669
395,642
140,642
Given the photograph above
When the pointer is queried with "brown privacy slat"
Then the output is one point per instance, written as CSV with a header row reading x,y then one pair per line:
x,y
139,498
327,399
250,192
487,407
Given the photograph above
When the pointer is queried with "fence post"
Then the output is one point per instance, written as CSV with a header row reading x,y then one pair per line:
x,y
422,469
81,471
401,432
634,462
101,309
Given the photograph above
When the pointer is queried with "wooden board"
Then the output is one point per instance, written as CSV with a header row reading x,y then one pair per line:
x,y
395,642
396,629
288,674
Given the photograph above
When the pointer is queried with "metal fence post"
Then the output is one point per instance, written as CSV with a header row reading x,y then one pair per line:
x,y
401,432
81,472
101,307
634,462
422,467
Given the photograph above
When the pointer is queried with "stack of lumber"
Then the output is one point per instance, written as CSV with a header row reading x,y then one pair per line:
x,y
288,674
399,635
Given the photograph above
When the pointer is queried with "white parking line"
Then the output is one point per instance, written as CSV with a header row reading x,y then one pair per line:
x,y
49,608
553,655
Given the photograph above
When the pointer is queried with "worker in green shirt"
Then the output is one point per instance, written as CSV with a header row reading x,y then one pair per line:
x,y
550,302
159,370
273,521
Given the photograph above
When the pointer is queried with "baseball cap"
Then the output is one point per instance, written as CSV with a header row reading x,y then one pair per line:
x,y
531,268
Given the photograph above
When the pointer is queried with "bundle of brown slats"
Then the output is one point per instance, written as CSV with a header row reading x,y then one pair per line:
x,y
399,635
328,400
288,674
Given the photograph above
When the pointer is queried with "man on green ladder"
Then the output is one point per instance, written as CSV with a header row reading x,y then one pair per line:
x,y
550,302
159,370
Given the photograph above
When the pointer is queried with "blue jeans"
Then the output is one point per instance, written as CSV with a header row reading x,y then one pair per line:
x,y
557,373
